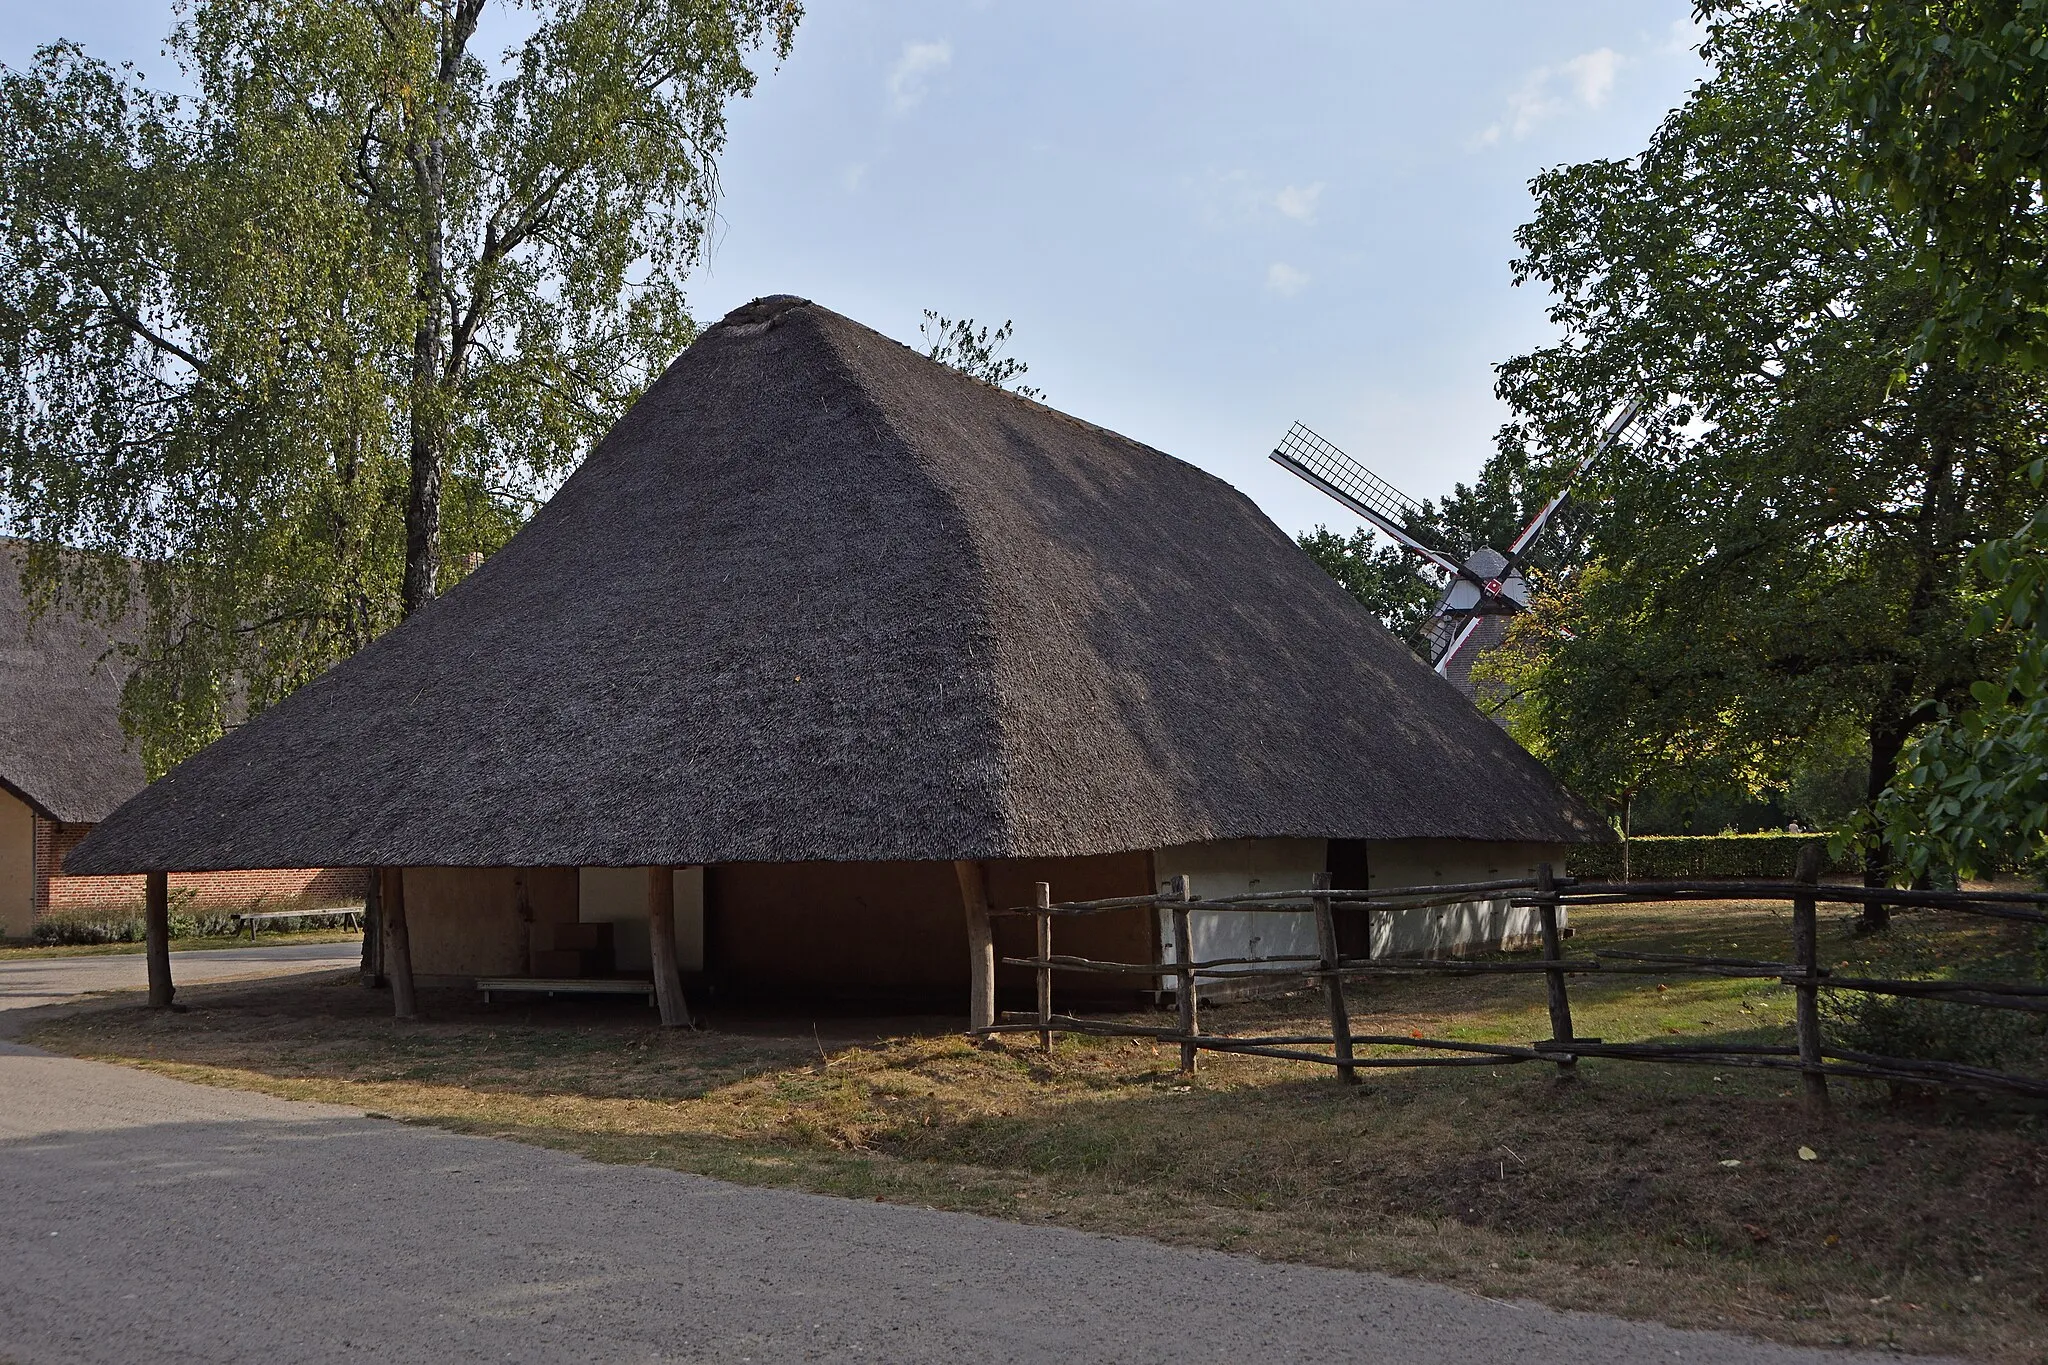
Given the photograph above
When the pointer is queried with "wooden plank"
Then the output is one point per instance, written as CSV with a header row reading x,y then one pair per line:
x,y
1554,979
398,946
1806,1007
1333,984
661,943
156,938
1184,973
981,944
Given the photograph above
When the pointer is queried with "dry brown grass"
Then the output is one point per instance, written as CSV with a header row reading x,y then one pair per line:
x,y
1921,1226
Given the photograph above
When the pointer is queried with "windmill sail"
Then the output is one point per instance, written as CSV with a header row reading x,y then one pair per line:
x,y
1482,583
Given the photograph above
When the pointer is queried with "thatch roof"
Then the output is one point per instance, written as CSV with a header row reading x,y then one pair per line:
x,y
61,746
817,597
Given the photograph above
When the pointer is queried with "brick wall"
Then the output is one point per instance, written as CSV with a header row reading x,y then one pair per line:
x,y
281,889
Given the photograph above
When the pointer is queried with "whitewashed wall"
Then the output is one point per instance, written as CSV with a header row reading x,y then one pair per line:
x,y
618,895
1233,867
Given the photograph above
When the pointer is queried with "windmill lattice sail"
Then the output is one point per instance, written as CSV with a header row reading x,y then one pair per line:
x,y
1483,582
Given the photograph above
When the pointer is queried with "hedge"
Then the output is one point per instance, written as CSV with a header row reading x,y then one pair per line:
x,y
1658,856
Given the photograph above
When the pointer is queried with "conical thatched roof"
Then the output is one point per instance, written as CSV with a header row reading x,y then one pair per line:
x,y
61,746
817,597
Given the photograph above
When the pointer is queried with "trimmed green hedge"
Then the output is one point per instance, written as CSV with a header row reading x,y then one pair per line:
x,y
1656,857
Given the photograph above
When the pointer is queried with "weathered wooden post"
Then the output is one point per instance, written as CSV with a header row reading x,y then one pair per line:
x,y
373,928
981,945
661,947
1806,1009
1553,951
398,945
1184,973
1042,898
1333,984
156,938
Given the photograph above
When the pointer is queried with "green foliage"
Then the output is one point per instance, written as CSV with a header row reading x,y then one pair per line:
x,y
977,352
280,360
1928,1030
1950,102
1785,562
1687,857
1972,793
1381,576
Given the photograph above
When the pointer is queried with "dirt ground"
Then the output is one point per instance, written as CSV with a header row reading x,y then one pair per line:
x,y
1679,1194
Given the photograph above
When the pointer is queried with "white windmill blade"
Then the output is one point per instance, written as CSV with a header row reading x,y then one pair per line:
x,y
1618,423
1314,460
1443,661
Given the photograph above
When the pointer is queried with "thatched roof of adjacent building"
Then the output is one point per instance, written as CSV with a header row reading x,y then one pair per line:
x,y
818,597
61,745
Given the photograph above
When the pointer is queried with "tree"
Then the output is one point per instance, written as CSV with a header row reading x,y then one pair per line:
x,y
1950,104
1788,552
1381,576
976,352
285,357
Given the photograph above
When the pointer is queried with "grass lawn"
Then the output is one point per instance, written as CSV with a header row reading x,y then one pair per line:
x,y
1659,1192
17,952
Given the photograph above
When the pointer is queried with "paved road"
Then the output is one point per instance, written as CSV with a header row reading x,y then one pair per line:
x,y
30,981
142,1218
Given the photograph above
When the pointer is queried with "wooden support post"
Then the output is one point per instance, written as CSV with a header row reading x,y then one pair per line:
x,y
661,944
398,945
1553,951
1042,897
981,945
1806,1009
1333,985
373,928
1184,973
156,938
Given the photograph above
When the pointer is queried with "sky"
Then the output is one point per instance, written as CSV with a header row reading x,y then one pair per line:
x,y
1207,220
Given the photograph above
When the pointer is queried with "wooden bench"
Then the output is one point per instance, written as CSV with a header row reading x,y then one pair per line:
x,y
563,985
351,918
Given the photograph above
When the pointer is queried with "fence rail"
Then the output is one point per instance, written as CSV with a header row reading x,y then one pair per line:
x,y
1810,1056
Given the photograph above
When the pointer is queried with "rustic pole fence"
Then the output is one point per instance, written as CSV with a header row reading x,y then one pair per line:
x,y
1333,982
1554,979
1548,895
1806,1000
1042,896
1184,972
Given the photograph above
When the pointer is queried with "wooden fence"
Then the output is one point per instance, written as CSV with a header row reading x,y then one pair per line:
x,y
1811,1057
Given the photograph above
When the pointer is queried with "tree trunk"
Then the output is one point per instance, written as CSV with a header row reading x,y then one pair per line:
x,y
398,945
373,928
981,944
426,434
1887,742
156,936
661,944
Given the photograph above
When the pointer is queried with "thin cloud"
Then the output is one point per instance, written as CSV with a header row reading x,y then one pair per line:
x,y
1284,280
1299,201
1584,82
910,78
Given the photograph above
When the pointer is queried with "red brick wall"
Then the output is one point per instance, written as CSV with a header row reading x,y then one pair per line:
x,y
59,893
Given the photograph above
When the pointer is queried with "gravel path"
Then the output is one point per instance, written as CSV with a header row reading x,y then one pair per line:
x,y
143,1218
26,982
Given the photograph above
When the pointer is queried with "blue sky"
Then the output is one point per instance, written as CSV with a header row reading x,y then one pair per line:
x,y
1207,220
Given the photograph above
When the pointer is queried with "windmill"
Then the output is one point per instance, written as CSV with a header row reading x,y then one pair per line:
x,y
1477,585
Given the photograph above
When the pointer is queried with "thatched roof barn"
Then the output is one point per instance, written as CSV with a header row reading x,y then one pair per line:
x,y
819,600
65,762
62,750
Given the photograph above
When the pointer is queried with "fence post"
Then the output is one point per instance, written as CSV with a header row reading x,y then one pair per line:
x,y
1184,957
1042,899
1333,985
1553,951
1806,1012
